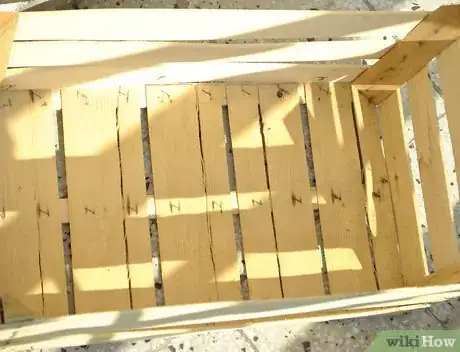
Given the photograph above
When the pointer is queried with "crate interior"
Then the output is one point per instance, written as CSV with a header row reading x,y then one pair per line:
x,y
256,181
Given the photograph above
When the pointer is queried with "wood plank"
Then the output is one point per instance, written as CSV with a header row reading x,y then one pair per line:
x,y
429,38
19,233
131,73
95,201
219,204
43,121
164,25
379,206
67,53
8,23
413,260
180,319
338,180
74,339
254,207
185,248
136,222
449,75
441,230
299,256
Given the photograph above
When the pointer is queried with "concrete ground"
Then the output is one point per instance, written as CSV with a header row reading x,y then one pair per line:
x,y
343,335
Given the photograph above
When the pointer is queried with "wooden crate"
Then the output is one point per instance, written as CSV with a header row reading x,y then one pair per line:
x,y
280,186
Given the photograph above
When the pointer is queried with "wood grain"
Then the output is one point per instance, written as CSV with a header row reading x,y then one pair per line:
x,y
95,201
219,204
338,181
441,230
380,212
449,75
136,222
32,264
253,194
185,248
411,246
428,39
299,256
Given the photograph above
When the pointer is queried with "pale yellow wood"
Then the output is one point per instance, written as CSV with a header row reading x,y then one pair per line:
x,y
428,39
75,339
163,25
8,23
449,75
30,220
95,203
441,230
185,249
255,210
66,53
411,247
137,229
133,73
43,120
338,180
219,204
445,276
299,256
19,234
379,207
182,319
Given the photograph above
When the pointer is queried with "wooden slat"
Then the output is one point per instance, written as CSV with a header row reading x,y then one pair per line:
x,y
435,33
219,204
74,339
413,260
255,211
441,231
173,320
8,22
137,228
338,179
449,75
164,25
67,53
379,207
30,229
132,73
188,272
95,202
43,122
299,256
